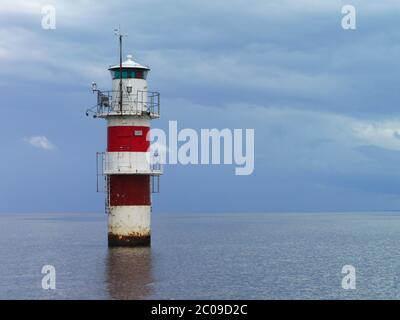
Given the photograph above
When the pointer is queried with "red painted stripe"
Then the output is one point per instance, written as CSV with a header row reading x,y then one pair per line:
x,y
127,138
129,190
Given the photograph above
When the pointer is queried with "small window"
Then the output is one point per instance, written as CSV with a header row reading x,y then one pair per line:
x,y
138,133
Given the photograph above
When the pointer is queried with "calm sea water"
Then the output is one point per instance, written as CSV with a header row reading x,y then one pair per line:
x,y
211,256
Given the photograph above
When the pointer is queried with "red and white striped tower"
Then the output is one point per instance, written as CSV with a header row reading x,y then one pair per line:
x,y
127,165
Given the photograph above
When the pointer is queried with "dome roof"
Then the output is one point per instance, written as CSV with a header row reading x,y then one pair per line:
x,y
129,63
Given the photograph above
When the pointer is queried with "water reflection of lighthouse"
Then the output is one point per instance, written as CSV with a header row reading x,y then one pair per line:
x,y
129,273
128,167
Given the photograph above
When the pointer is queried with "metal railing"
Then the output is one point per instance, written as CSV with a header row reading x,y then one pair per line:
x,y
122,165
103,180
155,184
156,167
139,103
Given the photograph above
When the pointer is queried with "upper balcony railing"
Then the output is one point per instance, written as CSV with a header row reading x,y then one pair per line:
x,y
139,104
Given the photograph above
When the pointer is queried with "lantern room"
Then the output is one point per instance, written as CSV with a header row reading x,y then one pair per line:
x,y
130,70
129,79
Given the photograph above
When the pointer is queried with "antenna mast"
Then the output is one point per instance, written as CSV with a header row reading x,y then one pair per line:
x,y
118,33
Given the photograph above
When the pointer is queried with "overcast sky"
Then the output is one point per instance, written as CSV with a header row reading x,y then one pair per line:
x,y
324,101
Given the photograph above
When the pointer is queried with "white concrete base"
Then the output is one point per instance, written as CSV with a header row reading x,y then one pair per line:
x,y
129,221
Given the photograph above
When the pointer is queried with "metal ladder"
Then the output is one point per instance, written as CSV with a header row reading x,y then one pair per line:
x,y
103,180
107,198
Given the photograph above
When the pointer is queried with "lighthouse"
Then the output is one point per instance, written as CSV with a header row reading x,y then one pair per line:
x,y
128,172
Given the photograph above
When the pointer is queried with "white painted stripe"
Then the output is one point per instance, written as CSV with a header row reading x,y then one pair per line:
x,y
125,121
127,163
